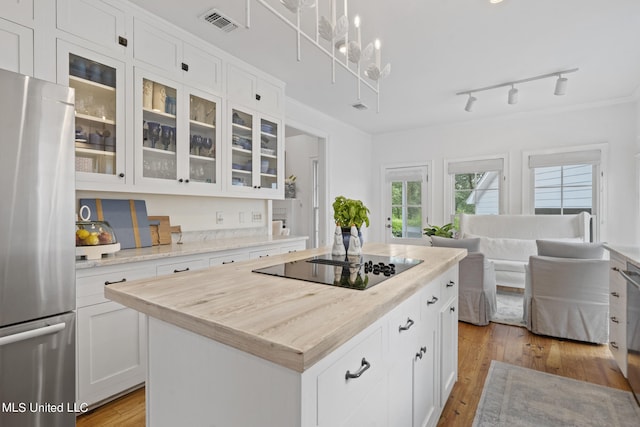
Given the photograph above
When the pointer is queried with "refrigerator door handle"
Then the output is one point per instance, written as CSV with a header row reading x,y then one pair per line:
x,y
22,336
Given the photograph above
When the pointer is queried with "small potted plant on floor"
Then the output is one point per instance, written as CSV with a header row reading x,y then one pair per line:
x,y
348,212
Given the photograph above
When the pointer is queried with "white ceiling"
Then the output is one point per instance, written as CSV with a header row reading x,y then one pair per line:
x,y
437,48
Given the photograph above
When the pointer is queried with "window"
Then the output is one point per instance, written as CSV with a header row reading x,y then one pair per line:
x,y
565,183
476,186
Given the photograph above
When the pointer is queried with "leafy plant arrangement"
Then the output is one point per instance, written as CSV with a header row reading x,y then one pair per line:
x,y
348,212
444,231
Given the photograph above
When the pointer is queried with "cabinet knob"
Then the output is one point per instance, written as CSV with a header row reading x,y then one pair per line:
x,y
121,175
186,180
452,309
122,41
258,97
185,67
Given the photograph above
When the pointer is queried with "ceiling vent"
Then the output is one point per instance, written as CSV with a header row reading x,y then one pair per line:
x,y
360,106
217,19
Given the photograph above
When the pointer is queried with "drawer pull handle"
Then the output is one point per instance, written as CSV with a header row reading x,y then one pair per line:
x,y
452,309
432,301
406,326
181,271
228,262
421,353
614,319
418,355
107,283
264,256
295,250
615,294
614,344
451,283
363,367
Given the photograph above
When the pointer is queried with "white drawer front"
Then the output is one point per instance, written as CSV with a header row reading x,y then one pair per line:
x,y
90,288
338,396
404,327
182,266
228,258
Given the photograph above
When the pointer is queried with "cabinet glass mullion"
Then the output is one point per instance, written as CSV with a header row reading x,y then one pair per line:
x,y
268,154
241,148
95,115
159,130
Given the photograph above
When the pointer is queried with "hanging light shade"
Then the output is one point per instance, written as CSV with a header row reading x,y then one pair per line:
x,y
513,95
470,101
561,86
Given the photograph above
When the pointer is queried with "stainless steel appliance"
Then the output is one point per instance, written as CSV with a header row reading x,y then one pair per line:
x,y
360,272
632,275
37,253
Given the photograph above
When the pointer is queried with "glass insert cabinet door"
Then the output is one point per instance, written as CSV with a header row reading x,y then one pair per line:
x,y
95,117
159,130
241,149
203,162
268,154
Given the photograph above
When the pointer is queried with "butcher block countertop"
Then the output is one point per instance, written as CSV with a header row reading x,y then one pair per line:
x,y
289,322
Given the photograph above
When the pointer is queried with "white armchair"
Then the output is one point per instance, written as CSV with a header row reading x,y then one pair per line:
x,y
566,291
477,282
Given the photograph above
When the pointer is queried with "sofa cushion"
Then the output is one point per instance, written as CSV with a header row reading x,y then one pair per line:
x,y
471,245
507,265
583,250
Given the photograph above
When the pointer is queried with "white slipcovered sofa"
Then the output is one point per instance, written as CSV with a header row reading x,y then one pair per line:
x,y
509,240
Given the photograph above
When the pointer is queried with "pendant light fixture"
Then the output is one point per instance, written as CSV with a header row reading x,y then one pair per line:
x,y
560,88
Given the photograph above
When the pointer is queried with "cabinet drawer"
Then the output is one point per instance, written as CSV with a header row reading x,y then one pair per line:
x,y
182,266
228,258
265,252
404,327
90,288
338,396
431,300
294,247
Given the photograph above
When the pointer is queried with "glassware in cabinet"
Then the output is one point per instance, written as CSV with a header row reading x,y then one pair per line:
x,y
241,148
159,124
268,154
202,140
95,115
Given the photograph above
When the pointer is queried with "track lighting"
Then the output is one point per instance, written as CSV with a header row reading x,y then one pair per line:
x,y
560,89
513,95
472,100
561,86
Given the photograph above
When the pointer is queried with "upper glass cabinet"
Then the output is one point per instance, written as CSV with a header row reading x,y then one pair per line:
x,y
203,141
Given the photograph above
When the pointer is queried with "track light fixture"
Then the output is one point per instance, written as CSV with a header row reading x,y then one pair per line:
x,y
560,89
470,102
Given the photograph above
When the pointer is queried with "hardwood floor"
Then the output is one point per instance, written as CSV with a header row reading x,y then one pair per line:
x,y
478,345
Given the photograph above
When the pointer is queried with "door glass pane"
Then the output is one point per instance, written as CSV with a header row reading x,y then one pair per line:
x,y
268,154
202,140
159,130
406,209
95,136
241,148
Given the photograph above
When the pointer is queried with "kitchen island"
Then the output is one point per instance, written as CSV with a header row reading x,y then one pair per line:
x,y
229,347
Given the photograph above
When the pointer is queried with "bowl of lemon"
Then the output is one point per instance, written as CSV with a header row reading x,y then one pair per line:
x,y
94,239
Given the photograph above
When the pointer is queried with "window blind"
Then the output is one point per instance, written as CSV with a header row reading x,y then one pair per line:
x,y
568,158
406,174
474,166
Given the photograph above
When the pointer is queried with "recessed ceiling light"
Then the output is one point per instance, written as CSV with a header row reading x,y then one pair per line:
x,y
495,1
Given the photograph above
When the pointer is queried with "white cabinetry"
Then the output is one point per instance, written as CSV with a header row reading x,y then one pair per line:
x,y
154,45
95,21
618,311
250,90
20,11
181,265
111,338
256,155
16,45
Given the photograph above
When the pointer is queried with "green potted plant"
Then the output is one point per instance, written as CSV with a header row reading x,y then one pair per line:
x,y
348,212
443,231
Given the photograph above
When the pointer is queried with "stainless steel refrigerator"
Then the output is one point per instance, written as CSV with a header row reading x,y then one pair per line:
x,y
37,253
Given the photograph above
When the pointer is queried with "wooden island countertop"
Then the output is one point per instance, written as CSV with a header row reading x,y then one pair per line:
x,y
289,322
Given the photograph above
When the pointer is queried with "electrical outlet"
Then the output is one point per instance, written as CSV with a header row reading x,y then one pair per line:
x,y
256,217
219,218
241,217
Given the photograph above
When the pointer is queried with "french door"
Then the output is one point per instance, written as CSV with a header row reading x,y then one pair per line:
x,y
405,195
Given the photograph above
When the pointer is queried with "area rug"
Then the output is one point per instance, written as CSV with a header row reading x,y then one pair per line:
x,y
509,308
515,396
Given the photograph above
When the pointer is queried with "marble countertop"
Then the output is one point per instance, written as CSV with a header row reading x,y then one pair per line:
x,y
290,322
631,253
188,248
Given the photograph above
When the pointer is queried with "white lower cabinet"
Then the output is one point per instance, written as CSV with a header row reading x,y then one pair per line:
x,y
111,351
448,348
618,312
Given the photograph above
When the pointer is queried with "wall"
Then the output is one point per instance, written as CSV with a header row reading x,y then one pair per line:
x,y
615,125
348,158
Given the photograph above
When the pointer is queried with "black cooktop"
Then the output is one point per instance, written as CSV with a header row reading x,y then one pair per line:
x,y
354,272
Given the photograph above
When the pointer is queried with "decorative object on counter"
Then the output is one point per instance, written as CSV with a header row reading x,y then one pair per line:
x,y
354,243
290,187
163,229
347,213
94,238
443,231
176,229
340,49
128,219
338,249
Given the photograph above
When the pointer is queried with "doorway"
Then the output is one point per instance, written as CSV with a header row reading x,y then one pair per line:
x,y
405,199
305,162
